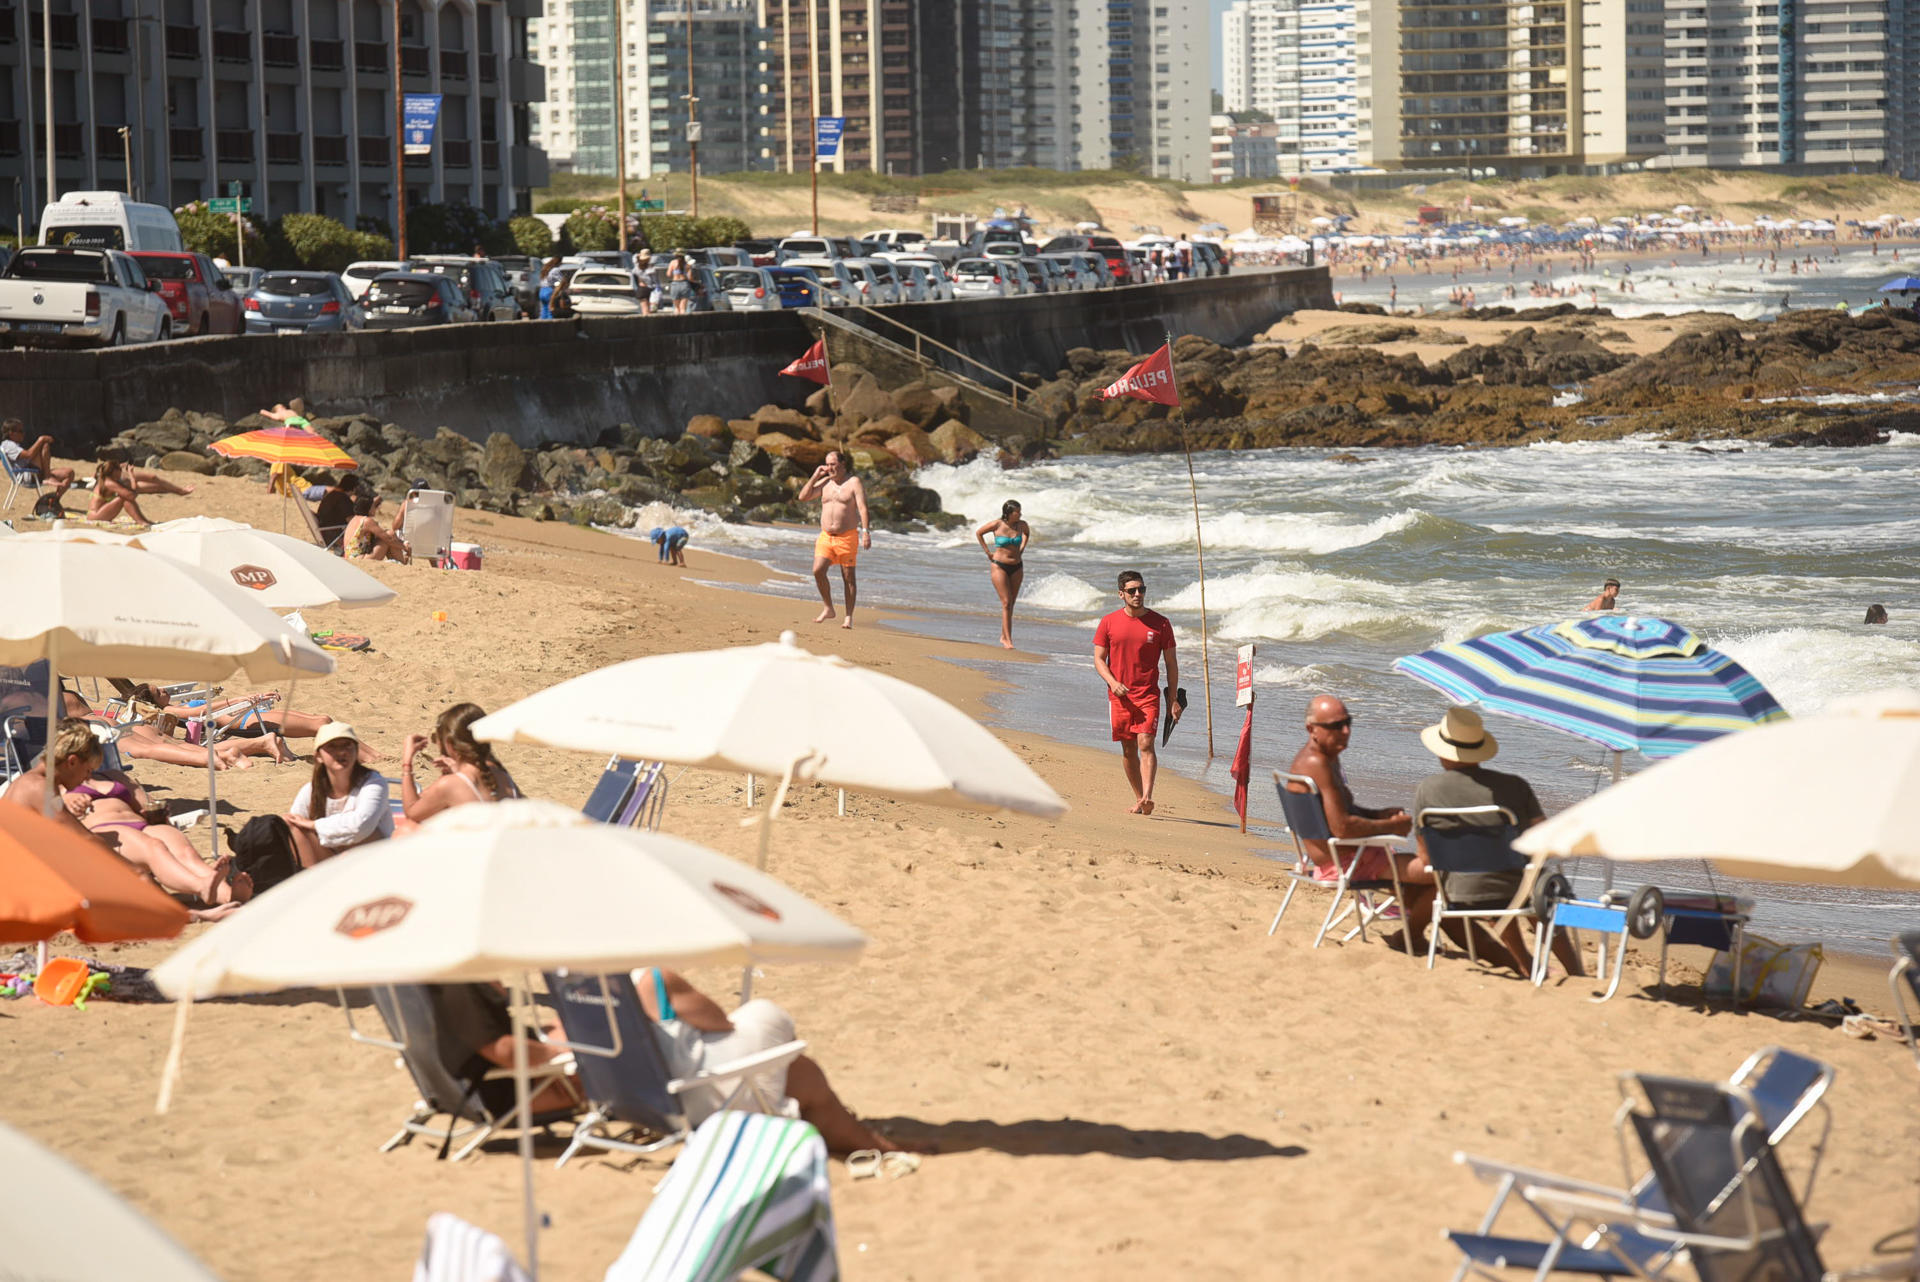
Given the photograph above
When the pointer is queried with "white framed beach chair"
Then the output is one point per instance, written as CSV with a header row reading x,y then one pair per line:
x,y
427,527
456,1251
20,476
625,1077
748,1192
1477,844
1307,821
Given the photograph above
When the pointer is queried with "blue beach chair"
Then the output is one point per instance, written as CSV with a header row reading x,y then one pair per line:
x,y
1476,845
20,476
629,794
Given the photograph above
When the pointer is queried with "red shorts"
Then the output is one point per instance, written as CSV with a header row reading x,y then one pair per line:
x,y
1133,715
1370,863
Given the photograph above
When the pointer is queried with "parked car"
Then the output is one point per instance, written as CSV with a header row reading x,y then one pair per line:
x,y
799,287
621,259
1217,264
1053,276
761,251
718,256
1033,277
896,239
360,275
1073,267
486,287
302,302
842,286
749,289
920,282
976,244
805,247
244,279
198,295
400,300
933,272
1108,247
876,290
64,297
604,291
903,286
1007,249
523,277
982,278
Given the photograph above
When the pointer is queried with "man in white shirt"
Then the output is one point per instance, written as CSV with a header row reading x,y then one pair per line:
x,y
37,456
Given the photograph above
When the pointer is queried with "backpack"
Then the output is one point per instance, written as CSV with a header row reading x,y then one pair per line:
x,y
263,849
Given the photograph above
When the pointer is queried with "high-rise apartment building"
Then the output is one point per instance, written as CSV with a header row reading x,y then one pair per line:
x,y
846,58
1787,82
1329,85
1260,70
292,99
1488,85
1298,62
716,42
1622,82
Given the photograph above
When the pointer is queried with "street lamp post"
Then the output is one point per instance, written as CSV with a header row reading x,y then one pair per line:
x,y
126,155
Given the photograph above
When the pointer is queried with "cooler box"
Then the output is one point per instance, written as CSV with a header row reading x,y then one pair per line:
x,y
428,529
465,556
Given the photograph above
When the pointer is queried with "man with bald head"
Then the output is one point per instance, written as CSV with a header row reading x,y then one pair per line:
x,y
1329,731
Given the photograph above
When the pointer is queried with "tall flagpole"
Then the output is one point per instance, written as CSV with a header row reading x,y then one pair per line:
x,y
1199,551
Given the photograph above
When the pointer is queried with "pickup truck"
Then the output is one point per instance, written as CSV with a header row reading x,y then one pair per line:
x,y
59,296
196,292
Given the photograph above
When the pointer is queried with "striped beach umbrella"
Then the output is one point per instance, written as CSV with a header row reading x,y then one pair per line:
x,y
283,444
1629,684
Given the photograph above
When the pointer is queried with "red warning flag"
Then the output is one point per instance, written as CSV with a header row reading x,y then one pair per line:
x,y
1241,772
1150,380
812,364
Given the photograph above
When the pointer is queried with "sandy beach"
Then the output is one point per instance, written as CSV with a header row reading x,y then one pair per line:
x,y
1126,1076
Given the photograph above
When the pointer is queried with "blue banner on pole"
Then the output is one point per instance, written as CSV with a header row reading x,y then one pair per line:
x,y
826,135
418,115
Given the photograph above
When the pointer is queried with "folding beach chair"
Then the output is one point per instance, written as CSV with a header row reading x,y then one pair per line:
x,y
456,1251
625,1076
414,1025
427,527
629,794
1783,1087
1307,821
1904,980
749,1192
1474,845
20,476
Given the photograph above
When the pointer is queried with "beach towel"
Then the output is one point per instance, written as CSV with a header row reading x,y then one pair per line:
x,y
456,1251
748,1191
328,639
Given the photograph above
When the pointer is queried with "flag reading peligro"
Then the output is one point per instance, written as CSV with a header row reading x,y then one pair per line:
x,y
1150,380
811,364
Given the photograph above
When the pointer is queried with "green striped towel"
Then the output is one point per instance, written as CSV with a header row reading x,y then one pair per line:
x,y
748,1191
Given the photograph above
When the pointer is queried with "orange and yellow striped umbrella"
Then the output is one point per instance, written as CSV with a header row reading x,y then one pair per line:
x,y
283,444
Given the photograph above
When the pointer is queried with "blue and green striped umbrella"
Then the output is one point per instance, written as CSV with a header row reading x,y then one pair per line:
x,y
1629,684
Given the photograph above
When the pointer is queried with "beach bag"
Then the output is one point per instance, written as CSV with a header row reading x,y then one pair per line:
x,y
263,849
1771,973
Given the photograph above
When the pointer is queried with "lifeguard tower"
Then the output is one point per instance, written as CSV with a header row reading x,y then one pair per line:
x,y
1276,213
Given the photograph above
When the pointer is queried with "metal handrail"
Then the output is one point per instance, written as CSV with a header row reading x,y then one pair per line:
x,y
1015,388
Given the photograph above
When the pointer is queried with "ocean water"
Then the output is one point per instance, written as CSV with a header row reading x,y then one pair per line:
x,y
1334,570
1664,282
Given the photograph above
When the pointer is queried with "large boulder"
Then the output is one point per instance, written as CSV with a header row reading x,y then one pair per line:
x,y
503,464
918,405
803,454
779,418
187,461
169,433
711,426
957,443
914,446
866,401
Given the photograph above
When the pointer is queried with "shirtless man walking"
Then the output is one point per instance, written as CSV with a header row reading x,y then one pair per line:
x,y
844,528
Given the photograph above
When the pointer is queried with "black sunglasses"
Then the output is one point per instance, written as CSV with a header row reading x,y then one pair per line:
x,y
1342,724
1135,590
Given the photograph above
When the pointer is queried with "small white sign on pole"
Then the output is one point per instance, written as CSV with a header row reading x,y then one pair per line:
x,y
1243,677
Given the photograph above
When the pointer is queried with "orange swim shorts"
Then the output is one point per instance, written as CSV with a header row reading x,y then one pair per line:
x,y
842,549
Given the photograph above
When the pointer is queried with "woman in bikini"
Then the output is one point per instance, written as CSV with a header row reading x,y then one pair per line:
x,y
469,772
115,494
367,539
113,811
1011,537
251,722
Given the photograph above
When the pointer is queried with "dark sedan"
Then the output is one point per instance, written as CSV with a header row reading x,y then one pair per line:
x,y
401,300
299,303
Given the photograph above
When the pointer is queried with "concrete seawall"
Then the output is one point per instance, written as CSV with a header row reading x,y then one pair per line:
x,y
568,380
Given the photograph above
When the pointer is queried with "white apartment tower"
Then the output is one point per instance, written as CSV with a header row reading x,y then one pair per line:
x,y
1298,61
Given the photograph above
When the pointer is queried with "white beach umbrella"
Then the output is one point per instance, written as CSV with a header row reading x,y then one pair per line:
x,y
1761,803
63,1224
780,710
490,893
277,570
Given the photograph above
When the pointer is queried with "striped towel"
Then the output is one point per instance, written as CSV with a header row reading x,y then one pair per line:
x,y
456,1251
749,1191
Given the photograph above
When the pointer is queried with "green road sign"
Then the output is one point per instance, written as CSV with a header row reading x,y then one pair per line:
x,y
231,204
650,206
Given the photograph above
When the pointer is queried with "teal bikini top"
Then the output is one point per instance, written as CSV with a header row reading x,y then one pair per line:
x,y
1001,540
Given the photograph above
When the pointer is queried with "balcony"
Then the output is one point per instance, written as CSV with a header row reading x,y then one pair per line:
x,y
232,46
327,55
330,149
490,155
453,64
369,55
6,24
415,60
186,144
373,151
489,68
106,140
233,146
67,140
283,149
9,137
280,50
109,35
183,43
526,81
456,153
66,31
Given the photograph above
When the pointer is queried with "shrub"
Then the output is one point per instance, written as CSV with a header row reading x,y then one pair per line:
x,y
531,236
594,228
318,243
205,232
448,229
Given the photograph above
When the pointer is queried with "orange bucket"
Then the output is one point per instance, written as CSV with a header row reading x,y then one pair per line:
x,y
63,980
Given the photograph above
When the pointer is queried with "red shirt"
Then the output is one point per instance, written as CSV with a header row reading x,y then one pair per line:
x,y
1134,647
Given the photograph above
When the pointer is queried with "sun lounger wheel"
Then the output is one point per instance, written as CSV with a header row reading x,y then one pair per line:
x,y
1645,912
1548,891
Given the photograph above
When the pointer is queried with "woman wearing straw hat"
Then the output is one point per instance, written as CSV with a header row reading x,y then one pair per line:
x,y
344,805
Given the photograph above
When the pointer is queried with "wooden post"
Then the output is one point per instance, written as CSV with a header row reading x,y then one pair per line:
x,y
1206,665
399,146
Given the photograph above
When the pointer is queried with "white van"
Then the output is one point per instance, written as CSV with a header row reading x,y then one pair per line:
x,y
108,220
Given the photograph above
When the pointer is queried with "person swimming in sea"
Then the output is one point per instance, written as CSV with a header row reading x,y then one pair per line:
x,y
1010,537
